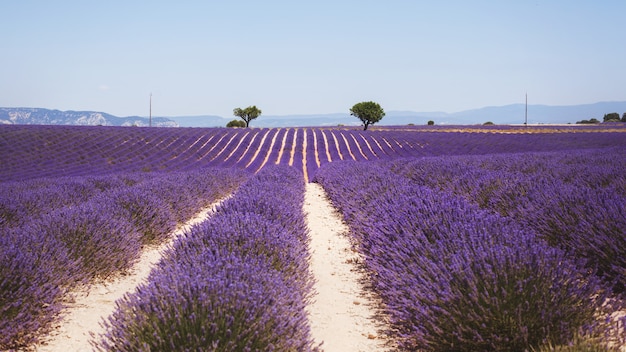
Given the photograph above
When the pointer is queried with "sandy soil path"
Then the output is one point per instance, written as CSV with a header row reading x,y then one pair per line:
x,y
83,316
342,314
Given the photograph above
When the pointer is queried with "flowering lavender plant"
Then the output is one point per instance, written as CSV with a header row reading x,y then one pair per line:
x,y
104,245
62,232
237,282
455,277
33,283
572,200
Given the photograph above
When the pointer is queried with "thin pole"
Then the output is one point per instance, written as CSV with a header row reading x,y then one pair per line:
x,y
150,110
526,112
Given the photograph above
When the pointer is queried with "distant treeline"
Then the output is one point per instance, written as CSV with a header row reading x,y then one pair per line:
x,y
611,117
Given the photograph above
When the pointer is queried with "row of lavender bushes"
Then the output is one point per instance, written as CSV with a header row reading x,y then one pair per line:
x,y
454,277
574,200
236,282
58,234
21,201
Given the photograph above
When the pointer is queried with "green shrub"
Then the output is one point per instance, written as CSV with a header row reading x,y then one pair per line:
x,y
236,123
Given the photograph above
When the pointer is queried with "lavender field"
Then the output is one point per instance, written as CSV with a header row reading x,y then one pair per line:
x,y
477,238
53,151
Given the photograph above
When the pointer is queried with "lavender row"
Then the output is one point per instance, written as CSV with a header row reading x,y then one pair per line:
x,y
20,201
54,249
237,282
574,200
455,277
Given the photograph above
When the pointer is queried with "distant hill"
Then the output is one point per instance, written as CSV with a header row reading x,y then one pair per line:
x,y
540,114
38,116
507,114
269,120
201,121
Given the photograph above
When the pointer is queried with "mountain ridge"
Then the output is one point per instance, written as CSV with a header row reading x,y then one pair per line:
x,y
42,116
505,114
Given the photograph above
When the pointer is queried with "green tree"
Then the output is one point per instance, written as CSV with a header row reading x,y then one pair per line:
x,y
431,122
624,117
248,114
612,117
368,112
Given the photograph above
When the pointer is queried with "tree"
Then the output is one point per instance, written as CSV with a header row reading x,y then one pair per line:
x,y
368,112
236,123
248,114
431,122
624,117
612,117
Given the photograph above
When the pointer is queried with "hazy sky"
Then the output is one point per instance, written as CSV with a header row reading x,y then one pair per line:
x,y
296,57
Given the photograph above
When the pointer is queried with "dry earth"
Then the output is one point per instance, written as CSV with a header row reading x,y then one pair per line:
x,y
342,315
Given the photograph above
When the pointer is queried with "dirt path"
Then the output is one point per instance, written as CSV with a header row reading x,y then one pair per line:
x,y
342,313
84,315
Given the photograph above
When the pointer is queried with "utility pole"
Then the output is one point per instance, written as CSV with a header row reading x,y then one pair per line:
x,y
150,123
526,111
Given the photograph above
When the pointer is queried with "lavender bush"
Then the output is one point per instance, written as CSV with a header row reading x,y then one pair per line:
x,y
220,302
150,214
33,284
584,344
22,201
188,192
572,200
455,277
237,282
104,244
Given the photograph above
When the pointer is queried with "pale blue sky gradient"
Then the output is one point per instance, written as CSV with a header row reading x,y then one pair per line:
x,y
292,57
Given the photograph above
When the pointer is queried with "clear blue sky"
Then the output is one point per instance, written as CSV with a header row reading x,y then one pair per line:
x,y
295,57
